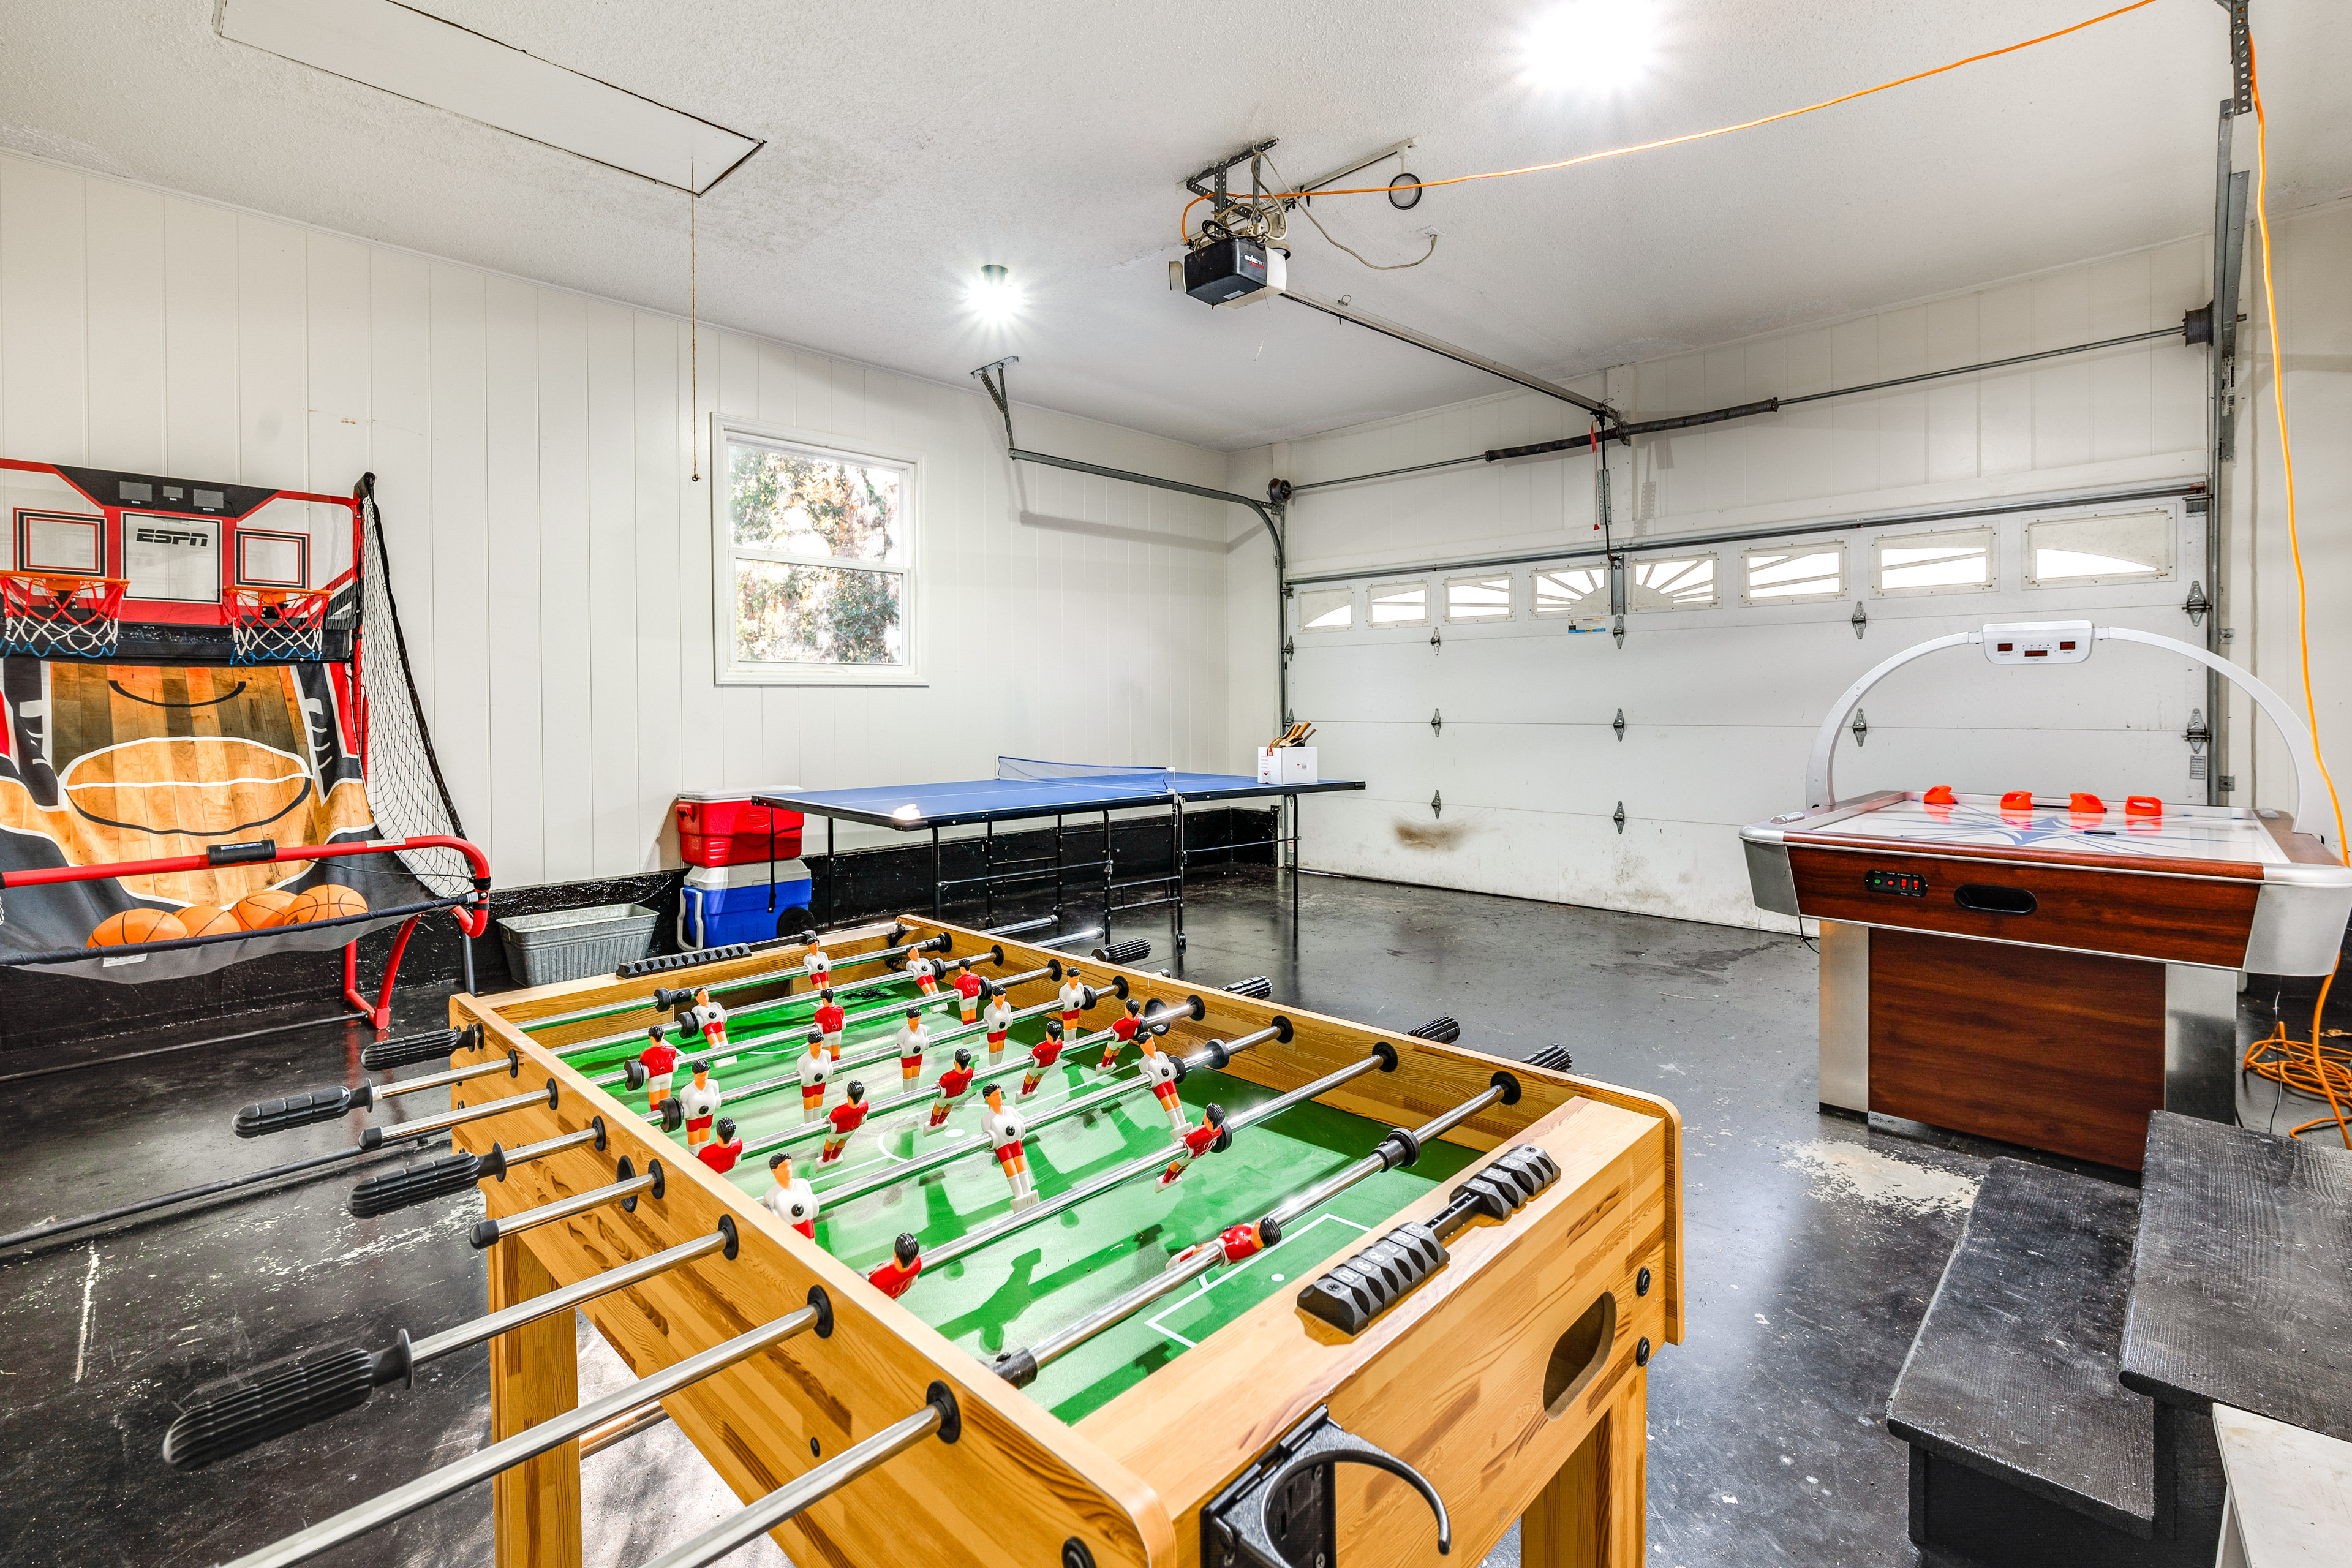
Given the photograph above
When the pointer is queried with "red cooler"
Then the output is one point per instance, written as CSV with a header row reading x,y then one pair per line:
x,y
727,829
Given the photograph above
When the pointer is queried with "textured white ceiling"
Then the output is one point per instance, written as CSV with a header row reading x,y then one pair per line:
x,y
911,143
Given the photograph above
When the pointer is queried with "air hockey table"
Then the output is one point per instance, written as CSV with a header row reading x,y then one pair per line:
x,y
2046,971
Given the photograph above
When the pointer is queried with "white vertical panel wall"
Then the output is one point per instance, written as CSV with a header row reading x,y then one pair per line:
x,y
1721,704
552,551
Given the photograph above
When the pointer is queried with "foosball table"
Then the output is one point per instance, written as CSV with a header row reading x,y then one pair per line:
x,y
1012,1257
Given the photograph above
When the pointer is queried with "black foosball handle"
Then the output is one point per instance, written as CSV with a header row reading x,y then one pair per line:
x,y
414,1185
1257,986
301,1109
1134,952
1352,1293
409,1049
252,1410
1443,1030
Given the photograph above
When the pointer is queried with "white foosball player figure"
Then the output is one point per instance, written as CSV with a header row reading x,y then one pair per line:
x,y
816,1071
1160,1072
706,1018
699,1100
997,1019
926,972
913,1041
790,1200
1007,1132
1074,1001
818,963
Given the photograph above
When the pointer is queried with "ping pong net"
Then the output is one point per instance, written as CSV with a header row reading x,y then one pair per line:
x,y
1126,778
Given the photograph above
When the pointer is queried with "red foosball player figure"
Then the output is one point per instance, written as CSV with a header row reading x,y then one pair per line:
x,y
953,1085
998,1017
846,1117
1122,1032
906,1261
968,988
699,1100
829,1019
1006,1133
1042,1055
1237,1242
707,1019
1074,1000
791,1201
913,1040
1160,1072
816,1071
721,1153
818,963
659,1059
925,971
1197,1142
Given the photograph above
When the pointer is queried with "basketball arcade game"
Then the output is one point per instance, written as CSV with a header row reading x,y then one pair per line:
x,y
1142,1381
2041,971
208,711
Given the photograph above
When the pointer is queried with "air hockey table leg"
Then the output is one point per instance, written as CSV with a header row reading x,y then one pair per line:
x,y
534,1374
1590,1515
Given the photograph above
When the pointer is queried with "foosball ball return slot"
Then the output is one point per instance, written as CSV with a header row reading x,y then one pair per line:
x,y
1243,1287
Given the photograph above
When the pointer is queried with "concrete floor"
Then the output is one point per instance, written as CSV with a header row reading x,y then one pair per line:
x,y
1814,1244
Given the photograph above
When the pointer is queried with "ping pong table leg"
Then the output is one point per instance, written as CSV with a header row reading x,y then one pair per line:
x,y
1176,842
935,873
1107,875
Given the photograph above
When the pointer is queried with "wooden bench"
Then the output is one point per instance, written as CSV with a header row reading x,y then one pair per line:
x,y
2026,1452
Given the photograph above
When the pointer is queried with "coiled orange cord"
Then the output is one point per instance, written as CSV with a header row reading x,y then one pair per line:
x,y
2309,1067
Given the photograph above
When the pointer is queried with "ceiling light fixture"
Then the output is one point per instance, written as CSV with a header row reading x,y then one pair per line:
x,y
413,55
1591,46
993,297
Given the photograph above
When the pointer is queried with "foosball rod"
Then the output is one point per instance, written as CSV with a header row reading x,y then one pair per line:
x,y
329,1382
377,1137
740,983
489,1232
914,1097
209,1189
528,1444
939,1415
1217,1053
413,1184
893,1010
330,1104
1399,1148
1383,1059
890,1053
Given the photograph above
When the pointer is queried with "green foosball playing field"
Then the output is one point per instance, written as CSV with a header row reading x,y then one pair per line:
x,y
1008,1294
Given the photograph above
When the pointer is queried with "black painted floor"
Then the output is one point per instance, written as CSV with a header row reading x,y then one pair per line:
x,y
1814,1244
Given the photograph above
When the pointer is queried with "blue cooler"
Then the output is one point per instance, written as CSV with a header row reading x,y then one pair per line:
x,y
722,904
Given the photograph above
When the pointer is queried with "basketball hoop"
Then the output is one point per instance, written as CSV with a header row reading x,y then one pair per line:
x,y
49,615
275,625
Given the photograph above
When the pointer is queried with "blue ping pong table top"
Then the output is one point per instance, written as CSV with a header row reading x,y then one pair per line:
x,y
912,806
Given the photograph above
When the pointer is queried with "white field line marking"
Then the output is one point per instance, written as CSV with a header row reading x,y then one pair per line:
x,y
1223,1275
88,1305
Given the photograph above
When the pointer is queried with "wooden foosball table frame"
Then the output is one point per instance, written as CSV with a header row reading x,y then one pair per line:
x,y
1513,1379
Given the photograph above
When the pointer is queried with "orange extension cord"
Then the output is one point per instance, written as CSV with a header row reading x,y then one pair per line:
x,y
1185,223
2310,1067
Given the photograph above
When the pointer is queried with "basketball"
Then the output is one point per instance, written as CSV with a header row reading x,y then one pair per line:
x,y
325,902
260,911
135,926
205,919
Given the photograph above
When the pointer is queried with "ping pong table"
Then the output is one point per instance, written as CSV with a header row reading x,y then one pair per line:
x,y
1025,790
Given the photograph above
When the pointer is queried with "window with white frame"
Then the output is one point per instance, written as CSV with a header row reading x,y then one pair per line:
x,y
1327,610
1478,598
1793,574
1959,561
816,562
1399,603
2128,547
1660,582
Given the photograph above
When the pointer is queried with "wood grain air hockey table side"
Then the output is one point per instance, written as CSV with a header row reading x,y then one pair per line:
x,y
2046,972
1511,1379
